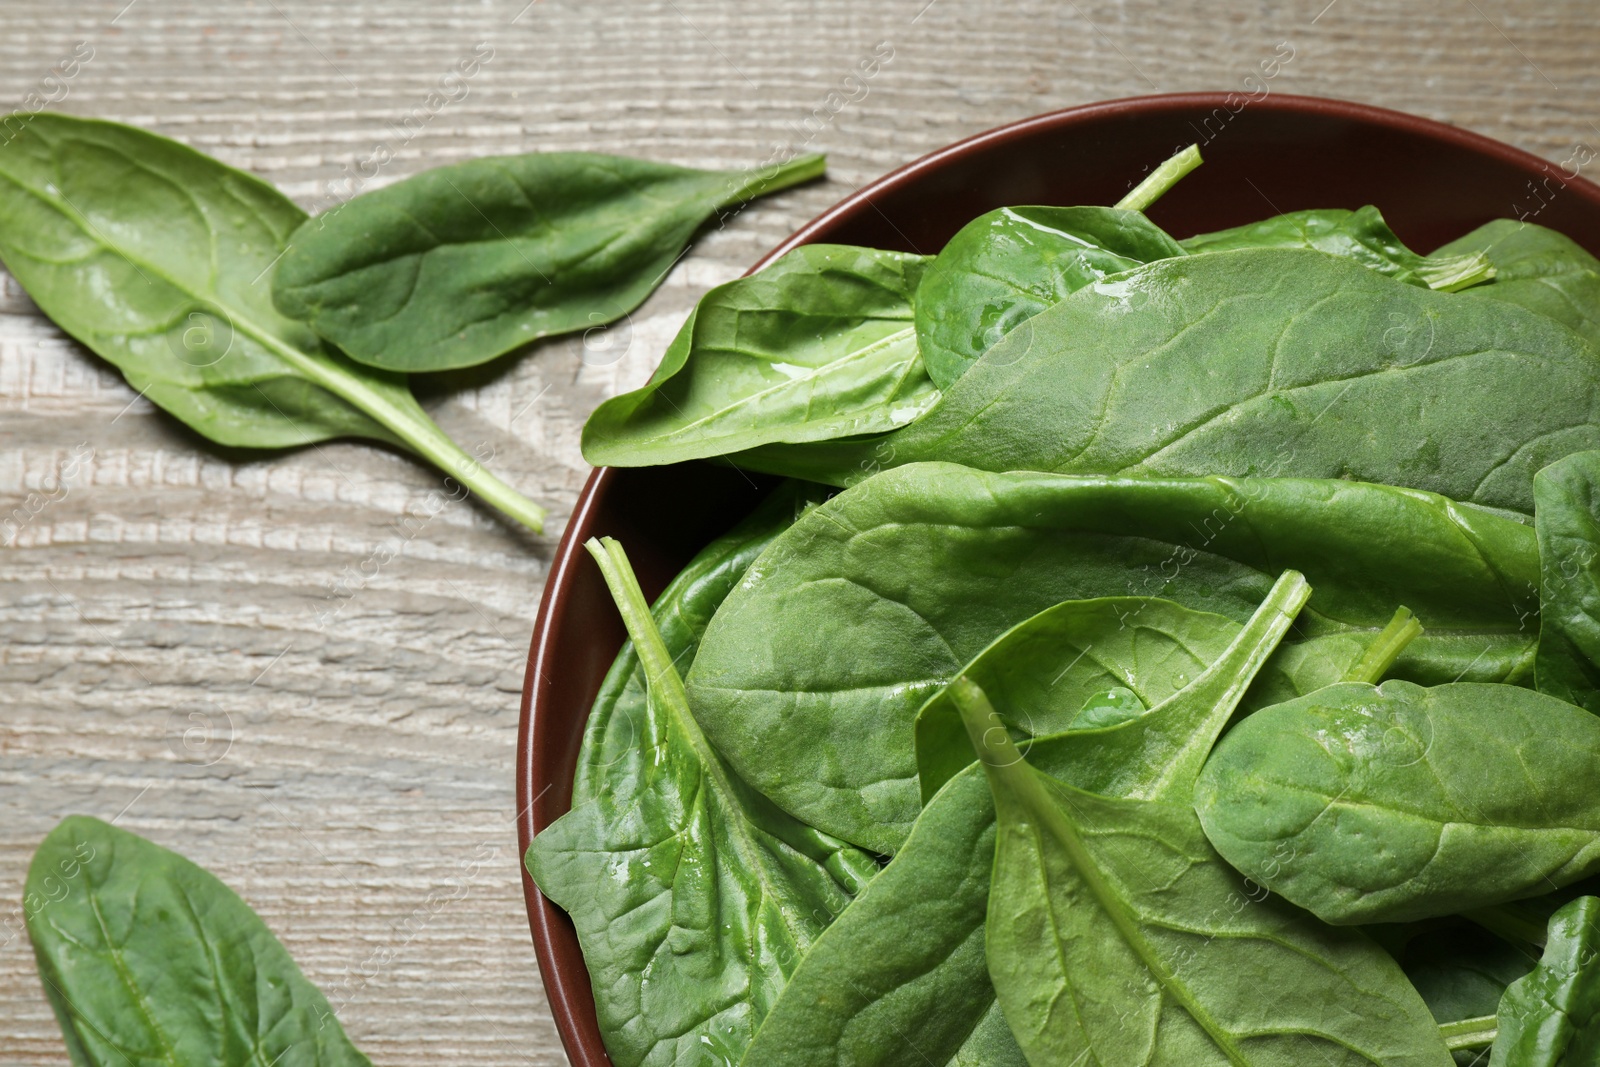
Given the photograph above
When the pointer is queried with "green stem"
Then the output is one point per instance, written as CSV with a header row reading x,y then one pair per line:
x,y
1161,179
1451,274
1470,1033
1507,924
747,185
392,406
1392,640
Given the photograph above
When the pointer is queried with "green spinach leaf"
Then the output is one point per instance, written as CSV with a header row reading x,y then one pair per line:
x,y
459,264
1461,970
1116,935
900,978
819,345
1008,265
1257,362
1189,668
153,256
1538,269
1551,1018
1361,236
693,896
810,677
1394,803
150,961
1567,502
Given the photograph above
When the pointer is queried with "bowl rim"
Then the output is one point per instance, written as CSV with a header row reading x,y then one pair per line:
x,y
544,918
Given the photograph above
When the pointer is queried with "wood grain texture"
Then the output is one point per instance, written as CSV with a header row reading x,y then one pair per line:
x,y
303,670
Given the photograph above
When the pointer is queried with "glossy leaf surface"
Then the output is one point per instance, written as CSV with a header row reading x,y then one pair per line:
x,y
1117,936
1567,496
1006,266
816,346
1360,236
1258,362
810,677
1392,803
459,264
1551,1018
693,896
150,961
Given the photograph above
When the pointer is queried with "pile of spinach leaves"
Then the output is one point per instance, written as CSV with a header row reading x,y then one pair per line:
x,y
1199,665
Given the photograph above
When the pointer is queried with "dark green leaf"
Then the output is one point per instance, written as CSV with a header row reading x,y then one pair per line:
x,y
1538,269
1117,936
1568,509
155,257
459,264
810,676
1361,236
1190,668
612,758
1551,1018
1006,266
900,978
817,346
1460,970
1393,803
1258,362
693,896
149,961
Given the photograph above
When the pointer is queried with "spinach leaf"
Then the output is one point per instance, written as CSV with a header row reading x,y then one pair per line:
x,y
1116,935
1538,269
900,977
152,255
1551,1018
1361,236
149,960
818,345
693,896
1252,362
459,264
1393,803
1008,265
1460,970
809,678
1568,508
611,759
1189,668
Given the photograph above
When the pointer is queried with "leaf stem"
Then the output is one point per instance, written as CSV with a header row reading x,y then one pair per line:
x,y
749,184
1470,1033
397,410
1161,179
1392,640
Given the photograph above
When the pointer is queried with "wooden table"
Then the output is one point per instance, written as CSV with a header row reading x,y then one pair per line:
x,y
251,659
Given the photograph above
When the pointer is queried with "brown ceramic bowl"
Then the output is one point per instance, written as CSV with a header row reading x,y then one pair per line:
x,y
1283,153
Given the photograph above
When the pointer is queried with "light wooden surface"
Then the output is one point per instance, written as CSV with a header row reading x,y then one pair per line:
x,y
211,647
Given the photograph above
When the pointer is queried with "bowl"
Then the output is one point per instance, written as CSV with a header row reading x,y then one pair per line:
x,y
1432,182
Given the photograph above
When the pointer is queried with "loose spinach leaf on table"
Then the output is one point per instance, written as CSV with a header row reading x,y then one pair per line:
x,y
459,264
1538,269
153,255
612,756
819,345
900,978
150,961
1257,362
1393,803
1551,1018
1008,265
1361,236
693,896
1115,934
810,676
1567,501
